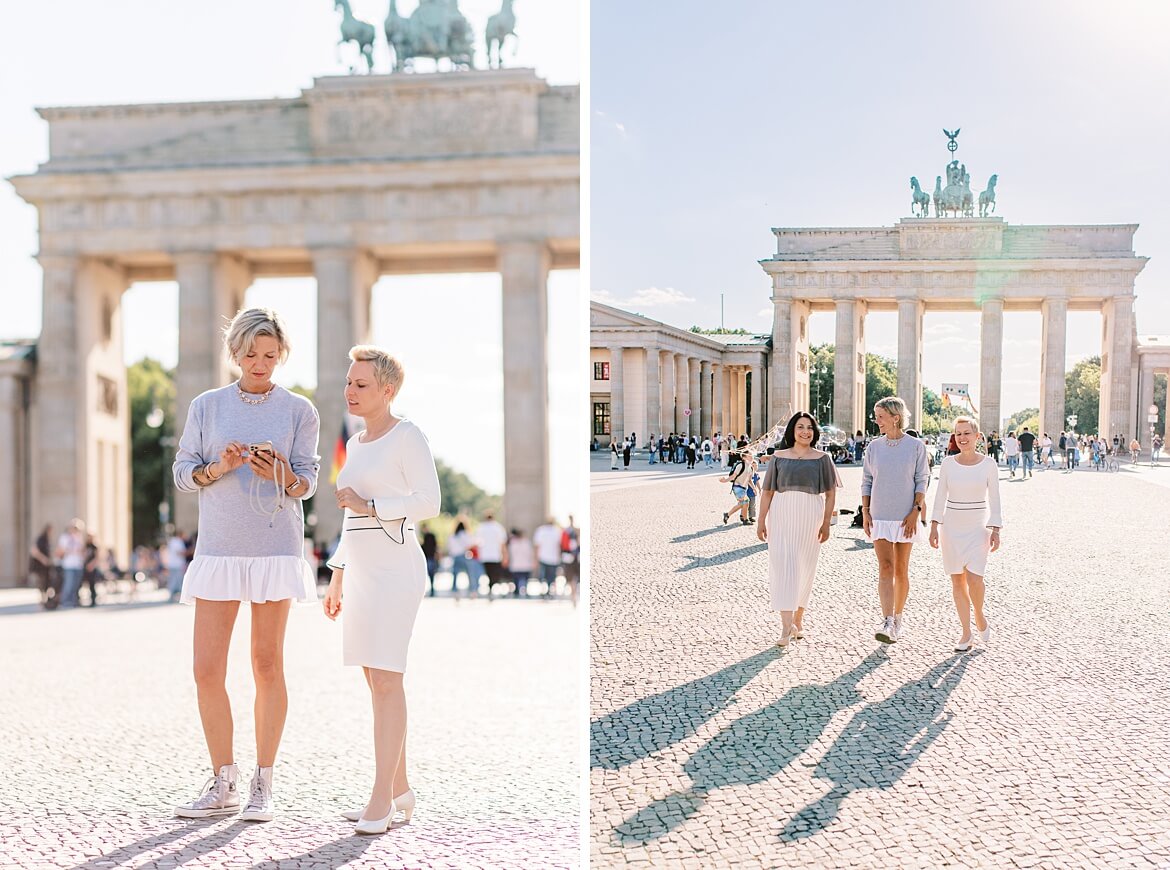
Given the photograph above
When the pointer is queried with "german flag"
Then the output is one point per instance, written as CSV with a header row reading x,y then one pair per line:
x,y
339,451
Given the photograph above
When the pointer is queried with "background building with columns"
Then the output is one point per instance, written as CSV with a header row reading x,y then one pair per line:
x,y
647,374
357,177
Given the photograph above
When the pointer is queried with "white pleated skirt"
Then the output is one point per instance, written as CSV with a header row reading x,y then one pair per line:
x,y
253,579
793,522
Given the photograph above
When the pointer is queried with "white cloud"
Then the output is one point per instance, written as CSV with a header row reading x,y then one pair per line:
x,y
617,125
648,297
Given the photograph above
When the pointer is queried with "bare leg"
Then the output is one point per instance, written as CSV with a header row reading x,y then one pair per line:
x,y
214,621
786,622
978,589
901,576
401,783
389,701
962,604
268,624
798,617
885,556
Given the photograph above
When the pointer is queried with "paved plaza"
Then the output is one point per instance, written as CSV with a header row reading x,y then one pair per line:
x,y
101,737
711,747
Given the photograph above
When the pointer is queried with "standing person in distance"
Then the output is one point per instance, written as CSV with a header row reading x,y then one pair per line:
x,y
1027,451
894,477
1011,453
799,496
613,454
521,562
491,541
430,548
627,449
547,541
388,484
571,558
250,547
967,507
707,449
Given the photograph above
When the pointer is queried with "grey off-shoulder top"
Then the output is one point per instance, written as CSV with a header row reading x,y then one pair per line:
x,y
813,476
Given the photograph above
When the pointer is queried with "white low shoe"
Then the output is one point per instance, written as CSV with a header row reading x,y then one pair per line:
x,y
965,646
375,826
221,796
985,635
404,803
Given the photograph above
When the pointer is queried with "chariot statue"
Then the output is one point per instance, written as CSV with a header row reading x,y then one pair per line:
x,y
956,198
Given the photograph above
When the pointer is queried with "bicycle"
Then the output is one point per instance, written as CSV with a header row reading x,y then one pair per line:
x,y
1111,464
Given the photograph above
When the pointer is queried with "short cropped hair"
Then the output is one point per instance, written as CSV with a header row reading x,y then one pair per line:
x,y
248,325
387,369
965,419
894,405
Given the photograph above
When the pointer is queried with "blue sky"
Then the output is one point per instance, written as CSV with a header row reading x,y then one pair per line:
x,y
711,125
78,52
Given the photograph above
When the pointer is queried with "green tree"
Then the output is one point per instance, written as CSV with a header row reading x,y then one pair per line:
x,y
150,386
935,416
1082,394
719,331
461,496
881,380
820,381
1029,417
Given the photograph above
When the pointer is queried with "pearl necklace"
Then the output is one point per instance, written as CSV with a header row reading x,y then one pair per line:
x,y
244,396
894,442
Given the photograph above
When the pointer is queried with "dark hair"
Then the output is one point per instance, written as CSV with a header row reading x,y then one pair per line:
x,y
788,439
459,527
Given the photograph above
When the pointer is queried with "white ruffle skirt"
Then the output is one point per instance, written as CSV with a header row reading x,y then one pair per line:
x,y
891,530
254,579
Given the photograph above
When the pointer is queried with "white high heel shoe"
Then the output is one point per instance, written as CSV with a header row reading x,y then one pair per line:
x,y
375,826
404,803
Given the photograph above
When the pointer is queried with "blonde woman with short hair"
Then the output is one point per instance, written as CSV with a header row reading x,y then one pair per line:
x,y
250,451
894,476
388,484
967,507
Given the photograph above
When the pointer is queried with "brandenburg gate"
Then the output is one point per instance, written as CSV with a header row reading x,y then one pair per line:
x,y
358,177
954,261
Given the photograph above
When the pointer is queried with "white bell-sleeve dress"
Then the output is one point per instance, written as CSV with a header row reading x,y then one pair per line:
x,y
967,506
385,570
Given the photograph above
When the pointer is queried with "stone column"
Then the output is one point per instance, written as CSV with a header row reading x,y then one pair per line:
x,y
705,415
910,357
17,531
60,399
1054,312
718,420
759,425
1116,361
667,368
211,288
790,363
695,402
990,364
682,389
728,399
345,279
1146,385
524,268
849,398
617,392
653,393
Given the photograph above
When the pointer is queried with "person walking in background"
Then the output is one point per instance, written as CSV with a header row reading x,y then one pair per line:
x,y
707,449
952,445
571,558
1046,452
967,507
738,476
753,486
71,553
458,546
858,446
92,572
40,566
1027,448
521,562
430,549
249,549
547,541
1011,453
491,541
1135,449
388,484
893,495
652,450
176,562
799,496
1156,452
994,446
691,451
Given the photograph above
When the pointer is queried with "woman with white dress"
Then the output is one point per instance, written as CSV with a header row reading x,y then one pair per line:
x,y
800,493
250,547
894,476
967,507
388,484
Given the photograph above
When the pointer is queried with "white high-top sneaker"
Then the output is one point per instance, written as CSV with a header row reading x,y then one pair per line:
x,y
221,796
260,807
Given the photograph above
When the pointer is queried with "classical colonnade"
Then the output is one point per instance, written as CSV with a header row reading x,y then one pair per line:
x,y
954,265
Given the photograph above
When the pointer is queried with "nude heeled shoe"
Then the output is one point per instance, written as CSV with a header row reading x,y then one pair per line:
x,y
404,803
375,826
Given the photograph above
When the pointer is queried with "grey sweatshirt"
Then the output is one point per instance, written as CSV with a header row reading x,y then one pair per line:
x,y
228,526
891,474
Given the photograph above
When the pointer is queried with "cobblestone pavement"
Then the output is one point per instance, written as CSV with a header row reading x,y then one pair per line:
x,y
711,747
100,738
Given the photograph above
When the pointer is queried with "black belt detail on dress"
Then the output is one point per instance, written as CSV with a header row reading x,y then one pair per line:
x,y
395,530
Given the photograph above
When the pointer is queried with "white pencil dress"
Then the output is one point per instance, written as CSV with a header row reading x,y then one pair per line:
x,y
385,570
966,506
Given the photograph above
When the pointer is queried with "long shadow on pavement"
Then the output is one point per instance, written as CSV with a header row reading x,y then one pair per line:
x,y
722,558
881,742
179,855
752,749
339,853
651,724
